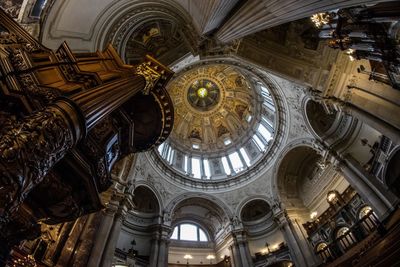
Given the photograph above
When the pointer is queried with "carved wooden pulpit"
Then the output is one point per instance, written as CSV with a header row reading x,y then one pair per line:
x,y
65,119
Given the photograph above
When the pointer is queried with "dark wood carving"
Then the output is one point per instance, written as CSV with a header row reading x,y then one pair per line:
x,y
65,119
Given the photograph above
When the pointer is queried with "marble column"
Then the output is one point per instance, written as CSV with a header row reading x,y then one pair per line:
x,y
299,247
108,254
235,259
71,243
210,14
103,232
377,123
382,201
244,252
154,249
163,246
255,16
240,249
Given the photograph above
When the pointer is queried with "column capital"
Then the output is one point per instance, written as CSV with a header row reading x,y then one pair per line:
x,y
153,72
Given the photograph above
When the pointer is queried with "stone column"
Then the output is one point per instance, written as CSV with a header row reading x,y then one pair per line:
x,y
370,189
69,249
235,259
102,233
243,249
154,249
108,254
255,16
299,247
163,246
380,125
212,13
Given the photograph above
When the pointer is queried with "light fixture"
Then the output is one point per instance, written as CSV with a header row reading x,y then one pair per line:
x,y
267,250
331,196
313,215
187,257
321,19
210,257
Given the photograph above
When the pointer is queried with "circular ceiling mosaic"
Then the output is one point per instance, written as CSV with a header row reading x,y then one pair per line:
x,y
223,124
203,94
213,108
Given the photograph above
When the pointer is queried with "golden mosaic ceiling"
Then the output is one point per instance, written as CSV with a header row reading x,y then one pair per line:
x,y
214,107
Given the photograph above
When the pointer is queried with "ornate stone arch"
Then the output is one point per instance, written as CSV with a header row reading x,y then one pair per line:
x,y
329,123
307,142
151,187
170,207
244,202
130,16
392,171
317,119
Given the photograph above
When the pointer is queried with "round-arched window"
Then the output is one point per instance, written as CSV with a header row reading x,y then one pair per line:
x,y
189,232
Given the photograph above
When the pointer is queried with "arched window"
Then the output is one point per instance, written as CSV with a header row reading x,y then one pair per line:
x,y
345,238
324,252
368,219
189,232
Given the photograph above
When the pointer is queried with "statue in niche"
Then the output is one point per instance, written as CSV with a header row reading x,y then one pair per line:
x,y
240,110
195,133
221,130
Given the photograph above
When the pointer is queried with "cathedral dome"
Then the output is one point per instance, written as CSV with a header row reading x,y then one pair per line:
x,y
224,122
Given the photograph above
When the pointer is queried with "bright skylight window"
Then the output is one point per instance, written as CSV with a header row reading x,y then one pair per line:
x,y
202,236
175,233
160,148
185,166
269,105
264,91
196,168
267,122
227,141
259,143
248,118
188,232
264,132
206,168
169,153
226,165
237,164
195,146
245,156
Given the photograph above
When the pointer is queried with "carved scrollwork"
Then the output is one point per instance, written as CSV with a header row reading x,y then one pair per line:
x,y
28,84
28,150
17,59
